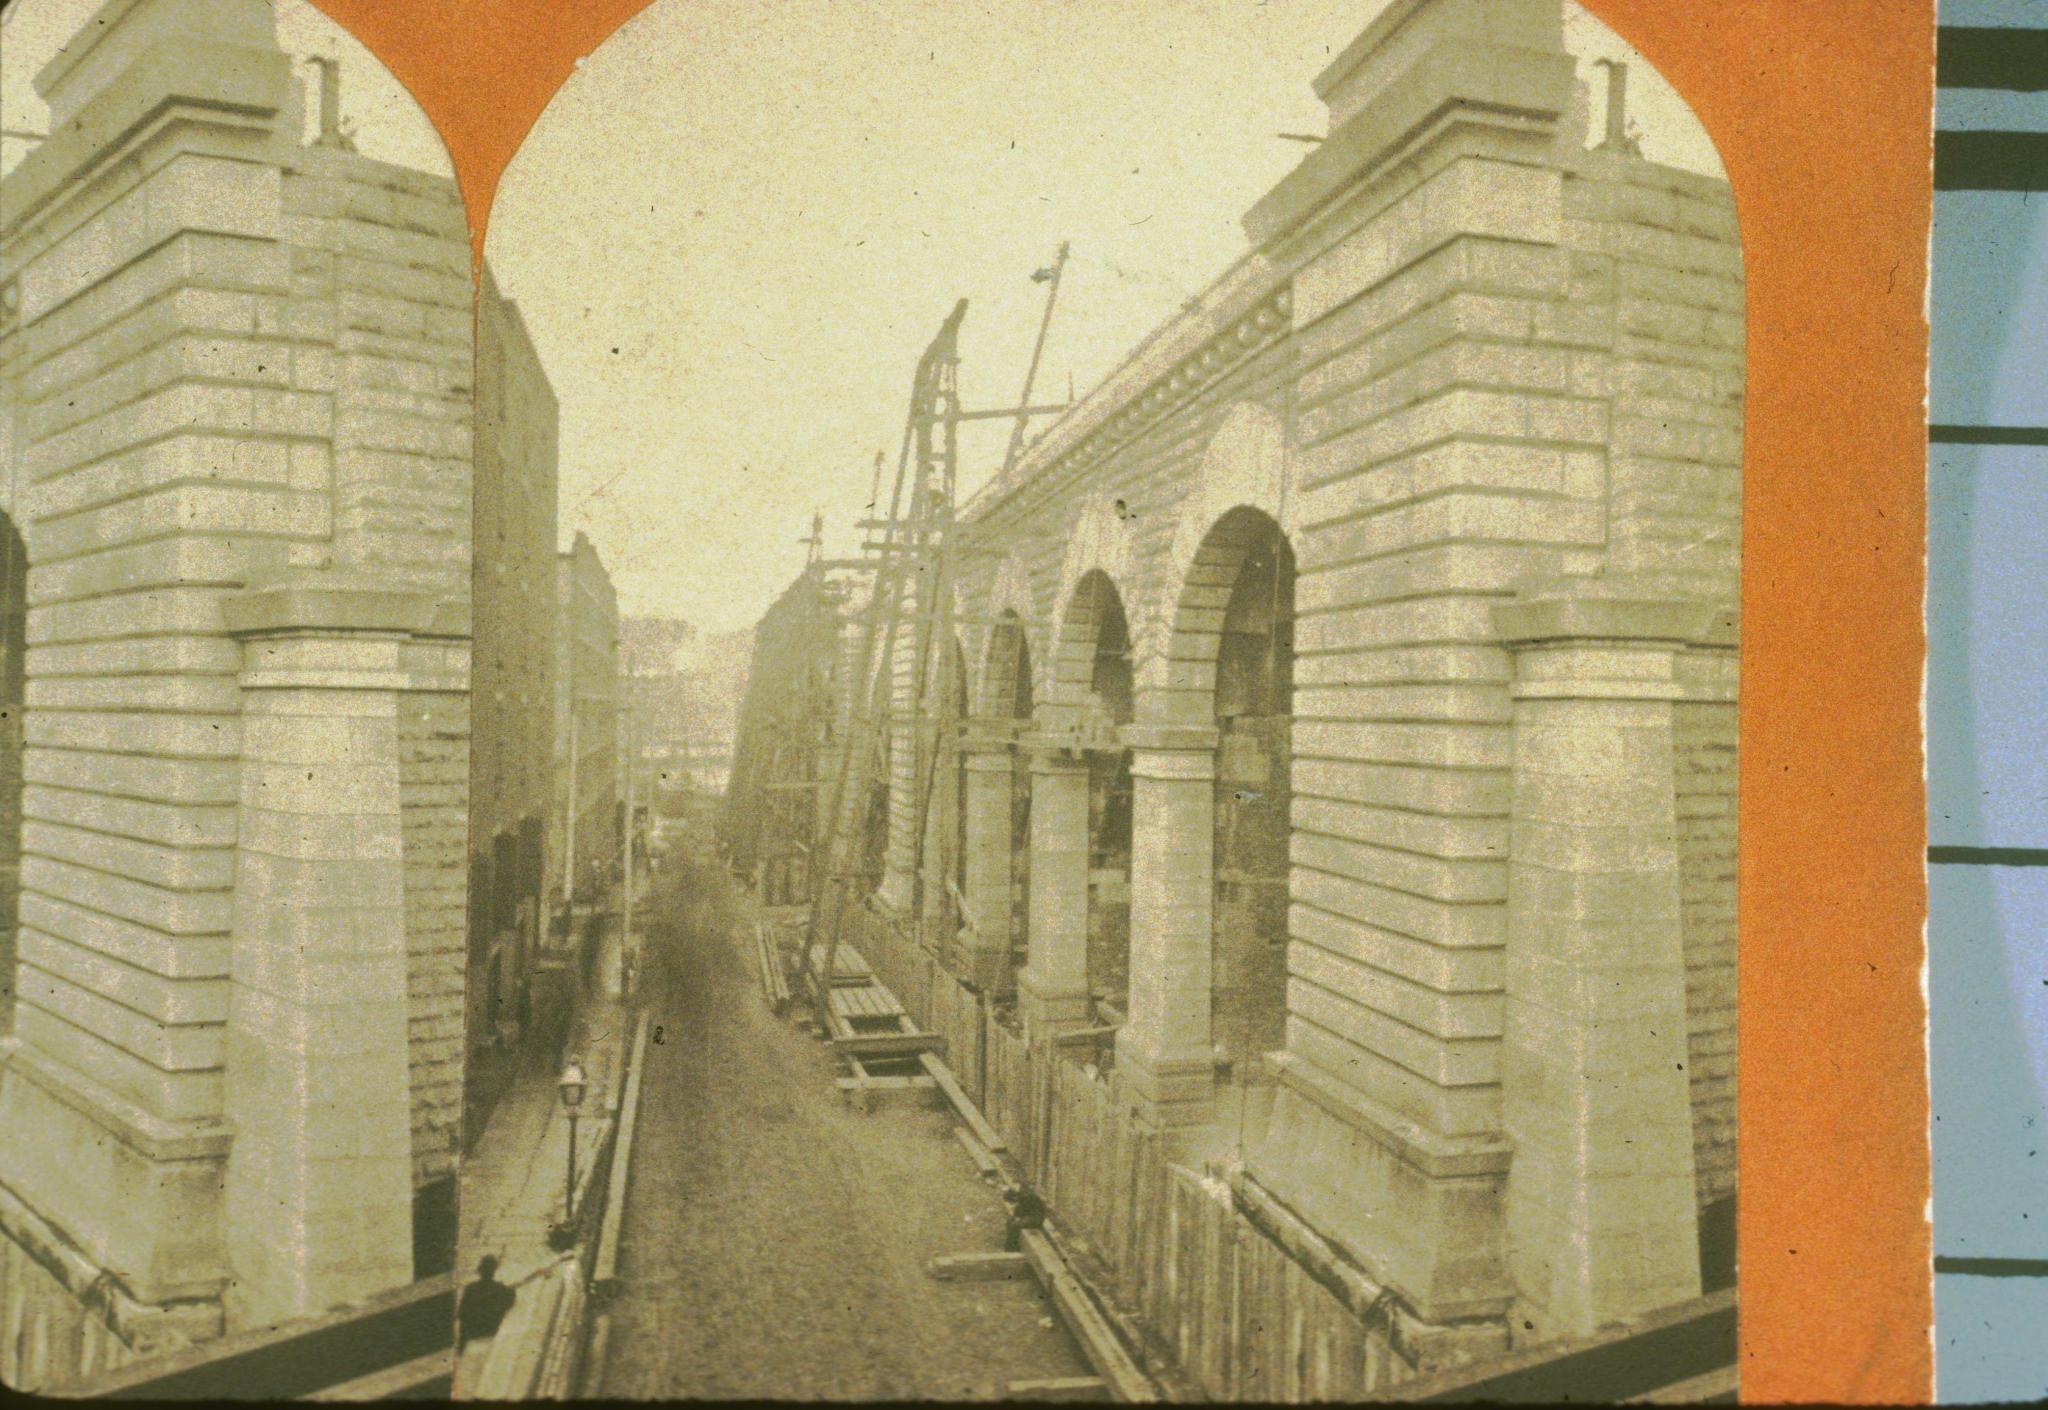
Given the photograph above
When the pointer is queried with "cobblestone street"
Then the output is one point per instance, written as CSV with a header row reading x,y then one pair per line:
x,y
769,1249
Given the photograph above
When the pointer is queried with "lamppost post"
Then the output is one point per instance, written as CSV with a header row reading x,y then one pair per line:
x,y
572,1084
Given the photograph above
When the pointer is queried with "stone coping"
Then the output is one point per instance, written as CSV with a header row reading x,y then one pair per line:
x,y
156,1139
1603,609
1435,1155
340,605
1489,83
182,77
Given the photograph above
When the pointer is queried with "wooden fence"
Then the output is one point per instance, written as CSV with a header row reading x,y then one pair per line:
x,y
1215,1304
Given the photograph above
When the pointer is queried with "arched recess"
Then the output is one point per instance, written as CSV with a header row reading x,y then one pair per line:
x,y
1099,544
1009,610
1253,707
1095,687
1232,636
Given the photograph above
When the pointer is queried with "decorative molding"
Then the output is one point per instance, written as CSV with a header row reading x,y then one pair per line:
x,y
1266,320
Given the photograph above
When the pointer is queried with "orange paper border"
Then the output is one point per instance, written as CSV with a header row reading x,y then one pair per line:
x,y
1822,111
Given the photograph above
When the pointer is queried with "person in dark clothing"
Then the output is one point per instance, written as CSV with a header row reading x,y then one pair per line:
x,y
484,1304
1027,1211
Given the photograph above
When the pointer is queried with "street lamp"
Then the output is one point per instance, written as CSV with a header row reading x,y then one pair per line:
x,y
572,1084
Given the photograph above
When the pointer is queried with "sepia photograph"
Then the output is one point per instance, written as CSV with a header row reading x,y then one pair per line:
x,y
1028,701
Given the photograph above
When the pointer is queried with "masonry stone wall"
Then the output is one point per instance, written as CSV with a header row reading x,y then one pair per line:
x,y
512,787
380,309
237,378
434,773
13,646
1486,382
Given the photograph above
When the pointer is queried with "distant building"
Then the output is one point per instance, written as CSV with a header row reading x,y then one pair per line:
x,y
651,652
587,817
714,674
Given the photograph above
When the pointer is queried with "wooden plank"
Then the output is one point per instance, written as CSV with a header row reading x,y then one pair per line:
x,y
294,1360
990,1138
880,1045
980,1268
1087,1388
1126,1381
984,1162
409,1380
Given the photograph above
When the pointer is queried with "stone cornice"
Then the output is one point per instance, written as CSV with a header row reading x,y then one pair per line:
x,y
1516,89
329,607
1602,617
140,1326
1249,310
185,81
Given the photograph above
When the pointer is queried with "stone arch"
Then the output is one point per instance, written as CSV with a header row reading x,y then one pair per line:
x,y
1252,708
1092,675
1005,690
1090,665
1100,544
1245,467
1003,686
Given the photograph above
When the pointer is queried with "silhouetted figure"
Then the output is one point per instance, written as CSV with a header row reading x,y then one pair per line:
x,y
484,1304
1027,1211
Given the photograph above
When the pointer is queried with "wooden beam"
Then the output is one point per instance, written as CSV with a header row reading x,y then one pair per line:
x,y
886,1045
1105,1352
1056,1388
1642,1356
980,1268
984,1162
990,1139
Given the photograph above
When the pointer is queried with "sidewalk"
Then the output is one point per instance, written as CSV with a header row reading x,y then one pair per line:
x,y
514,1185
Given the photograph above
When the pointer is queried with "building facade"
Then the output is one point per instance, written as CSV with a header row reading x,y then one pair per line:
x,y
235,409
1326,852
513,702
589,762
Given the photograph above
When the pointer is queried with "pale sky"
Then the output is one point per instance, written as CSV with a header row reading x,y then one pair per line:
x,y
737,225
387,123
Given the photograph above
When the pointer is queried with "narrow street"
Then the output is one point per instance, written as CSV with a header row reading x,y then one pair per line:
x,y
776,1241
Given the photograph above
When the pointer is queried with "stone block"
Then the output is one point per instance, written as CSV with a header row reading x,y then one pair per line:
x,y
1421,1217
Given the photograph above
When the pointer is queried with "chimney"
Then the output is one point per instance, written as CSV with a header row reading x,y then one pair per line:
x,y
330,100
1617,139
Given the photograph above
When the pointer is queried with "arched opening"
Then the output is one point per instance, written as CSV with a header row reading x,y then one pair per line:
x,y
1254,707
1097,618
